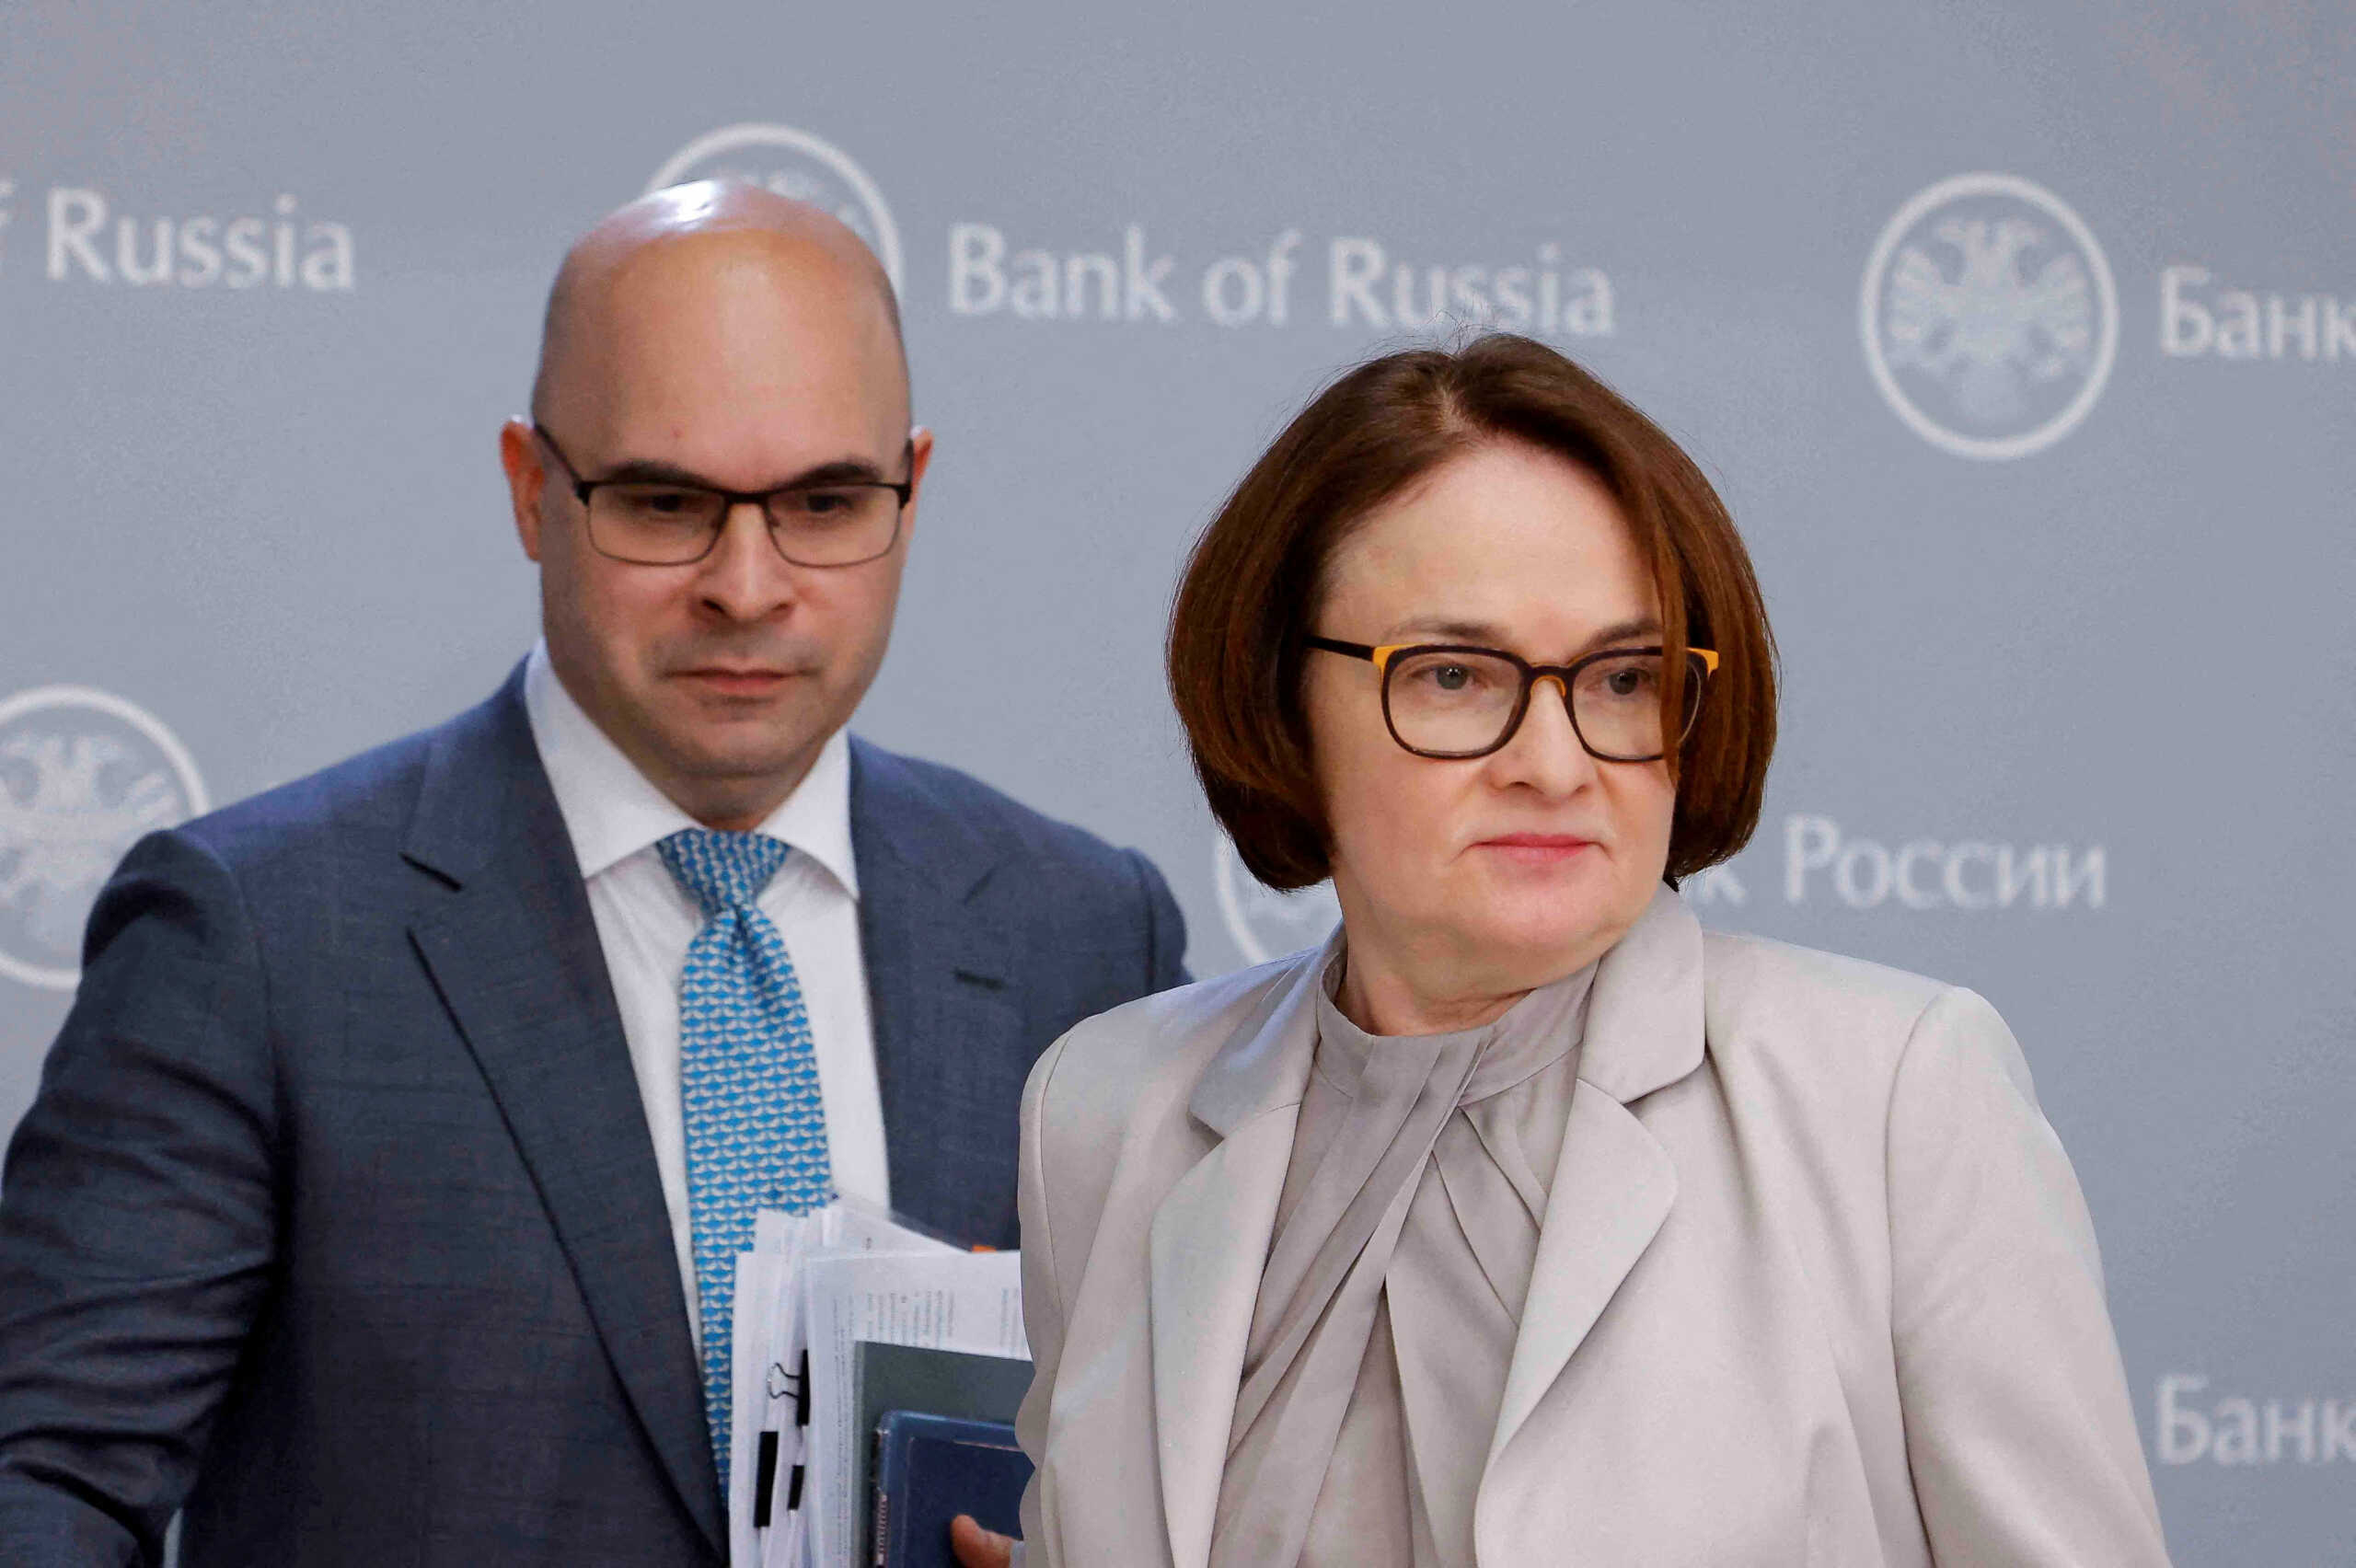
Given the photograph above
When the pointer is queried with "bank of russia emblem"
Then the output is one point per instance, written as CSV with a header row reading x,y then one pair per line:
x,y
792,162
83,775
1990,316
1264,923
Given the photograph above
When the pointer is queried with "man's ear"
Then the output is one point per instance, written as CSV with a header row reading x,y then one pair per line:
x,y
527,479
919,459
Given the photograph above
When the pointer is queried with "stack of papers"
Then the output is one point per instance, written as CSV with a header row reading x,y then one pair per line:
x,y
814,1287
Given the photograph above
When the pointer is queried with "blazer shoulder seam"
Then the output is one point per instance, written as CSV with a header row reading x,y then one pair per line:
x,y
268,1002
190,838
1890,1127
1049,1065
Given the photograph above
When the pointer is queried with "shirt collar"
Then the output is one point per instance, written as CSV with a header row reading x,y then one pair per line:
x,y
612,810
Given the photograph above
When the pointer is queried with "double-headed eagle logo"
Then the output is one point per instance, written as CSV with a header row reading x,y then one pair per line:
x,y
83,775
1988,317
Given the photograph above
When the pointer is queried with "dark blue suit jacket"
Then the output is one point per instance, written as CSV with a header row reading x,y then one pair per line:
x,y
336,1215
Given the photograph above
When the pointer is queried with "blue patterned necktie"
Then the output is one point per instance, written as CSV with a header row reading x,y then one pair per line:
x,y
748,1083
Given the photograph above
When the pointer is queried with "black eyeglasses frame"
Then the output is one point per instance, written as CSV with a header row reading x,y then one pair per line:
x,y
583,488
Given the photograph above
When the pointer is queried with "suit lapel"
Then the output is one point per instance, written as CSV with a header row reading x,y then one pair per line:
x,y
938,977
514,955
1612,1189
1209,1243
1614,1183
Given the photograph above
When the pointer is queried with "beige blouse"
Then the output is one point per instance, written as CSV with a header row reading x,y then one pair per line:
x,y
1393,1292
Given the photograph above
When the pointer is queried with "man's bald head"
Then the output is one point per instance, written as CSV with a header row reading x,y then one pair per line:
x,y
802,246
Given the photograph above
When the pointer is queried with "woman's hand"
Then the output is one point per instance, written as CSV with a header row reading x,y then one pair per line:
x,y
978,1548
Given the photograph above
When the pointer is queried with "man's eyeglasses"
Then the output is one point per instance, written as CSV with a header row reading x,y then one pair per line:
x,y
1450,701
658,522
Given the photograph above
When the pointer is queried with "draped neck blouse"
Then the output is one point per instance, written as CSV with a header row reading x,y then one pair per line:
x,y
1392,1291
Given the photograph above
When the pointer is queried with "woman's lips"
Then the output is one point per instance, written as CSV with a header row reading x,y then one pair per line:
x,y
1537,848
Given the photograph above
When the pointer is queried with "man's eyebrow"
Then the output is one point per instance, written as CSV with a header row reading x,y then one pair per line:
x,y
841,471
1488,635
654,471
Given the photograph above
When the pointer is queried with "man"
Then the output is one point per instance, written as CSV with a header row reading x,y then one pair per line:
x,y
383,1181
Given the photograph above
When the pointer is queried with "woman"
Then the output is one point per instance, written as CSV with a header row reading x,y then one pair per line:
x,y
1525,1222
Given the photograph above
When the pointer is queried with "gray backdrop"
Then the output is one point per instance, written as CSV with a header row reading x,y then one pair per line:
x,y
2020,338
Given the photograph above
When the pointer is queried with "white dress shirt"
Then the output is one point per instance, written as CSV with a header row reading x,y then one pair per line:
x,y
645,921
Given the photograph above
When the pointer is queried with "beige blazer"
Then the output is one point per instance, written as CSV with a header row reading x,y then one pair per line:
x,y
1816,1284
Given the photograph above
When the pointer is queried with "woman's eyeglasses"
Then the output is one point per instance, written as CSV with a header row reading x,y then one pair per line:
x,y
1452,701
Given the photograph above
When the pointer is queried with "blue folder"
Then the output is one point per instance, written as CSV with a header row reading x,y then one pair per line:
x,y
928,1469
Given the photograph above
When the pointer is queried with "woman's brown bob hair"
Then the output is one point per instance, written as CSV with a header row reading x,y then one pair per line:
x,y
1253,583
